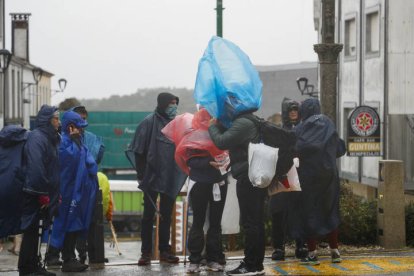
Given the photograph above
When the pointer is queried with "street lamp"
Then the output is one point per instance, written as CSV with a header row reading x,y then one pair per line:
x,y
62,85
305,88
37,76
5,58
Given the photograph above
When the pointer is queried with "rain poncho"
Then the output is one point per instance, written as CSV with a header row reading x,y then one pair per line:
x,y
78,178
227,83
12,139
190,135
318,146
42,168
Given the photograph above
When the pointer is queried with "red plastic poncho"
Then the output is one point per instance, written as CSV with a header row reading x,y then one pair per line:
x,y
193,141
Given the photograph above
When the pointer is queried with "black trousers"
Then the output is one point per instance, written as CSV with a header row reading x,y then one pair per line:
x,y
251,202
166,205
201,197
279,231
28,258
68,250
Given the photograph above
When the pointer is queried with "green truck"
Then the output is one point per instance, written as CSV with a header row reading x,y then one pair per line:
x,y
117,130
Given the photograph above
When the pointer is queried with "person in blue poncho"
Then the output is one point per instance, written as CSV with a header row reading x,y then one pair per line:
x,y
41,187
78,178
318,145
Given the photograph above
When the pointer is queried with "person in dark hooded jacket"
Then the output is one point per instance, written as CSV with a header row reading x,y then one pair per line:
x,y
318,145
157,174
41,188
278,203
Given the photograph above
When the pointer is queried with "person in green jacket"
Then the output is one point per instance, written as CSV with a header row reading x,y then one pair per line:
x,y
251,199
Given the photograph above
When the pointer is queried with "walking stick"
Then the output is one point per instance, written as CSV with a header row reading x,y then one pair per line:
x,y
114,237
48,241
186,231
39,244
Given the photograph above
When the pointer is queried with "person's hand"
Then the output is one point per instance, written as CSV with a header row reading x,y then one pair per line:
x,y
74,132
212,121
44,201
215,164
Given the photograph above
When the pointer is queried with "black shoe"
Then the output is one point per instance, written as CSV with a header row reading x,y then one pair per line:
x,y
73,265
53,261
242,269
301,253
44,272
168,257
279,255
40,272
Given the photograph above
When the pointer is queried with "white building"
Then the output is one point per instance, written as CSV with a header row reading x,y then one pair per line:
x,y
22,94
376,68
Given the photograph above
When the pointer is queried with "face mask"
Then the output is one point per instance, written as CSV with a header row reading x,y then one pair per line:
x,y
171,111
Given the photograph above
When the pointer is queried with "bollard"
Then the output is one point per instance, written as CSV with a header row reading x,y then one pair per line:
x,y
391,204
98,232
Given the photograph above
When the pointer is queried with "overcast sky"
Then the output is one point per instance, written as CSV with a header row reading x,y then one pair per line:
x,y
105,47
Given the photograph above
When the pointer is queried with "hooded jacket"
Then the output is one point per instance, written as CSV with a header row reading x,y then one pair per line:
x,y
287,106
318,146
154,153
12,177
42,167
78,183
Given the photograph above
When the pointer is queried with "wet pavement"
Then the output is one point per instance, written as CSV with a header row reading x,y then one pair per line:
x,y
377,262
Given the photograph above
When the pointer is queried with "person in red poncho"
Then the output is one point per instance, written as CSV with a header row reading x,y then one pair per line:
x,y
208,192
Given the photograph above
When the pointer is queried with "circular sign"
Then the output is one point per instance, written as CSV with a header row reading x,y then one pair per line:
x,y
364,121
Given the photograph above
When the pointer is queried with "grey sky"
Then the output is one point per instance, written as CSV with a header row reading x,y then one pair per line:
x,y
105,47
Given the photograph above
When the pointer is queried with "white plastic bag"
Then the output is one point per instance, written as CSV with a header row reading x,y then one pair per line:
x,y
262,164
293,178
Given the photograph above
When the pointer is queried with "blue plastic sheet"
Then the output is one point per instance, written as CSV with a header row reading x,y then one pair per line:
x,y
227,83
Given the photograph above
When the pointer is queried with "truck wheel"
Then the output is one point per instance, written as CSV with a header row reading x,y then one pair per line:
x,y
134,225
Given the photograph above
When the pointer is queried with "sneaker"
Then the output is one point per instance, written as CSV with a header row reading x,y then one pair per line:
x,y
335,257
145,259
260,270
278,255
168,257
323,245
73,265
193,268
242,269
301,253
214,266
310,261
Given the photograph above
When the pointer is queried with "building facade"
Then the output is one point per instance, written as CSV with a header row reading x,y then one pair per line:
x,y
375,69
22,94
279,81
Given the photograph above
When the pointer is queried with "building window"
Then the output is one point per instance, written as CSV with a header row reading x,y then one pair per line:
x,y
350,38
372,33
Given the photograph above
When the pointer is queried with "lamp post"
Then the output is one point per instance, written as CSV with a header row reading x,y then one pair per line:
x,y
62,85
328,52
305,88
5,58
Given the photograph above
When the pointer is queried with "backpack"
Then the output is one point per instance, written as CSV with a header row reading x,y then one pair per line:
x,y
276,137
12,177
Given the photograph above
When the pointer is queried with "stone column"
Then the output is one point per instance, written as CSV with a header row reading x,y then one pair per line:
x,y
328,52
